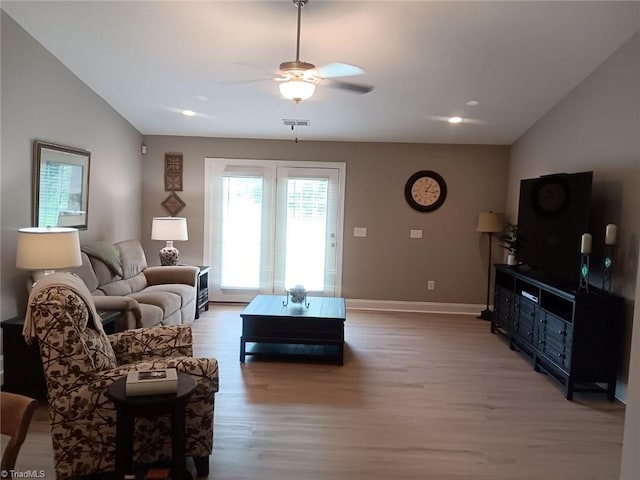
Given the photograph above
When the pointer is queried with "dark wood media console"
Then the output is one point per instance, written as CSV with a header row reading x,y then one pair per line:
x,y
573,336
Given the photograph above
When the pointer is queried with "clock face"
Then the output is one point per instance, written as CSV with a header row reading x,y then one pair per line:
x,y
551,196
425,191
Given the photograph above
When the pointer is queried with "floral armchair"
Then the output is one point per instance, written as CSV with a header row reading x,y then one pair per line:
x,y
80,362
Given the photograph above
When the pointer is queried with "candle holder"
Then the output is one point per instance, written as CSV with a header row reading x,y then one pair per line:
x,y
584,273
607,273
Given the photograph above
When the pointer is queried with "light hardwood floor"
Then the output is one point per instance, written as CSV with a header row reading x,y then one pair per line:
x,y
421,396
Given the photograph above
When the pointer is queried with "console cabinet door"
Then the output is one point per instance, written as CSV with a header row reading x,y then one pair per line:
x,y
558,339
527,314
503,305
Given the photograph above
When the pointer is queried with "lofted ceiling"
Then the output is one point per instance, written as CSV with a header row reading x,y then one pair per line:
x,y
152,59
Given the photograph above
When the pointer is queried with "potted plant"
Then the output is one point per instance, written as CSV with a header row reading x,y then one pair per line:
x,y
509,240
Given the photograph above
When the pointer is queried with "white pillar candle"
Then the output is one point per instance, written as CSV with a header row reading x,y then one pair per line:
x,y
611,235
585,246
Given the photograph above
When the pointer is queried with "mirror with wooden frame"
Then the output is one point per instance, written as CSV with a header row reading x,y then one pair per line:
x,y
60,186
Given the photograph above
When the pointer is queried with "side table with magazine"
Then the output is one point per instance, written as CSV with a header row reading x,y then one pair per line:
x,y
129,406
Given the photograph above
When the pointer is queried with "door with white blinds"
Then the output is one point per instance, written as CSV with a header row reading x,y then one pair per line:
x,y
272,225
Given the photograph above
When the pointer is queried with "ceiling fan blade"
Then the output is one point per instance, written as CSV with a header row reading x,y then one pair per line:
x,y
231,83
351,87
255,65
266,74
333,70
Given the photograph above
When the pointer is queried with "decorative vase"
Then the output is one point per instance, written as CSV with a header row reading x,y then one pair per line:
x,y
511,259
169,254
297,294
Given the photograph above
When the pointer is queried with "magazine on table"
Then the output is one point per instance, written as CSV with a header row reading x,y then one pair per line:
x,y
152,382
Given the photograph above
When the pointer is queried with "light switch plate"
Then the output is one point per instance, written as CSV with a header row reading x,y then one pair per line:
x,y
360,232
415,234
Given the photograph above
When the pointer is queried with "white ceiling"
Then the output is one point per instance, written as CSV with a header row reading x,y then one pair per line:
x,y
150,60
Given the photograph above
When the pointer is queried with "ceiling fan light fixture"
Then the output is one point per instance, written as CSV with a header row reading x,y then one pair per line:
x,y
297,90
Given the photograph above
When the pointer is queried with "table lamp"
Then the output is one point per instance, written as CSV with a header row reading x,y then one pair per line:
x,y
489,223
48,248
170,229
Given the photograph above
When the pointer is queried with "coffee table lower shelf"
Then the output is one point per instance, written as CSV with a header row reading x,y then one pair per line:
x,y
298,349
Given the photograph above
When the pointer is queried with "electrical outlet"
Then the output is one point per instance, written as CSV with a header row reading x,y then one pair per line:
x,y
431,285
360,231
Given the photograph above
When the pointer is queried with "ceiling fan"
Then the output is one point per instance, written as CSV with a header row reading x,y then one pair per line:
x,y
299,79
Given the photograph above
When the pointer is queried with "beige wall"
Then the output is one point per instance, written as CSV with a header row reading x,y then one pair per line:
x,y
387,265
42,99
596,127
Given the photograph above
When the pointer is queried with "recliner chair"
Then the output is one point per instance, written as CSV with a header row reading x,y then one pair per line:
x,y
80,362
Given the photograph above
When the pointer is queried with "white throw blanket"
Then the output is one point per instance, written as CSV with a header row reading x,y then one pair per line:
x,y
61,279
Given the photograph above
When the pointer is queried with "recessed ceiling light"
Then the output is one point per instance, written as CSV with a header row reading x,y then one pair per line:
x,y
455,120
188,113
473,103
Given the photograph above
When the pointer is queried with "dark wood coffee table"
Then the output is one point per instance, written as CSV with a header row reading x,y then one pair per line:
x,y
276,330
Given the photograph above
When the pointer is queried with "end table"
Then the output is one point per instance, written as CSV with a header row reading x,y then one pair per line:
x,y
23,372
203,290
127,408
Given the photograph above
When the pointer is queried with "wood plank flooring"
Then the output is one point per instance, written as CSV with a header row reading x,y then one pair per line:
x,y
421,396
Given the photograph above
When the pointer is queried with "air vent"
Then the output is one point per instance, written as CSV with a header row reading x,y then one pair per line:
x,y
294,122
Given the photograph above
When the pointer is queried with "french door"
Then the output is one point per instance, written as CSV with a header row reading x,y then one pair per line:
x,y
272,225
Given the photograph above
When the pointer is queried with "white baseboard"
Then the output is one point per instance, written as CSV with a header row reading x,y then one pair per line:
x,y
424,307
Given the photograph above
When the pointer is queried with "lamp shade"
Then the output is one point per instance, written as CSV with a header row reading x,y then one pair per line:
x,y
169,228
297,90
47,248
489,222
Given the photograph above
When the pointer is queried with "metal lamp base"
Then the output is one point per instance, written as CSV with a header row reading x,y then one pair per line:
x,y
485,315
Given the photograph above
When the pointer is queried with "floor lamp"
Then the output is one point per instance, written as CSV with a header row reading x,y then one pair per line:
x,y
489,223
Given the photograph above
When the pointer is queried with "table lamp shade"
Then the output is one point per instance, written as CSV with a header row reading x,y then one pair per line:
x,y
46,248
169,228
489,222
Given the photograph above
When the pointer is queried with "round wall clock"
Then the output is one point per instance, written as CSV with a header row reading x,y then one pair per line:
x,y
550,196
425,191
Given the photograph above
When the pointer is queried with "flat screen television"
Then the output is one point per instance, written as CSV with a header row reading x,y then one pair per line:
x,y
553,213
